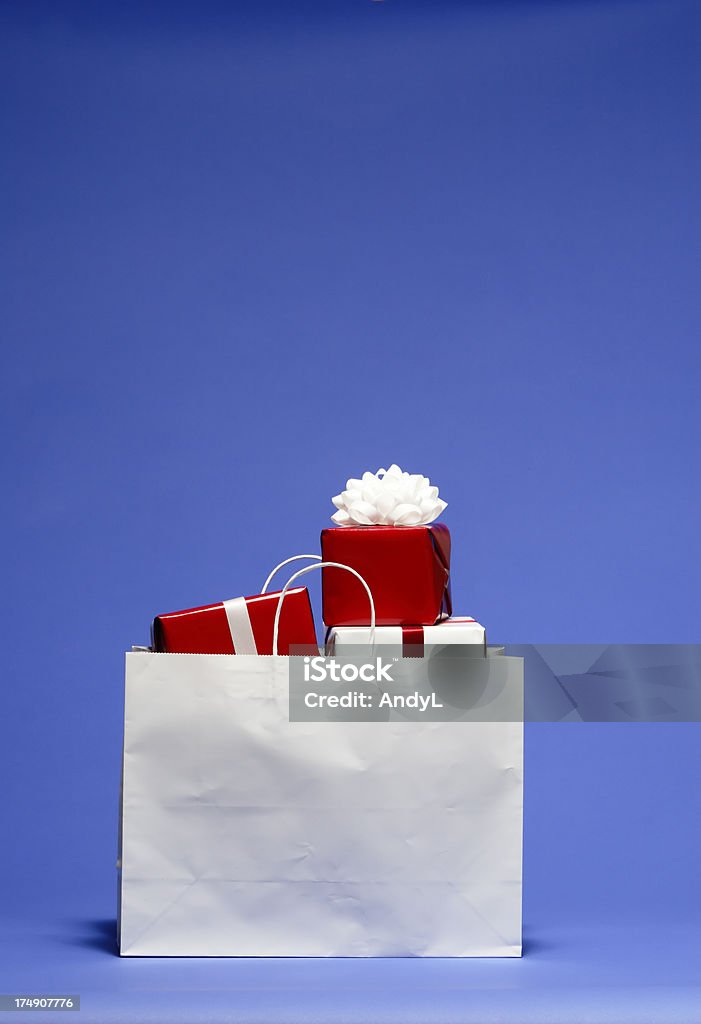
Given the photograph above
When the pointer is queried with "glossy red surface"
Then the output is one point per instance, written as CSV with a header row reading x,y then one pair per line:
x,y
406,567
206,630
412,641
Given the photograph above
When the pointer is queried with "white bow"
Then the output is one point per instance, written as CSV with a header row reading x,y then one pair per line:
x,y
388,498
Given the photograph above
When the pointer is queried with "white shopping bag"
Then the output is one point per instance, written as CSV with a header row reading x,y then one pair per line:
x,y
246,834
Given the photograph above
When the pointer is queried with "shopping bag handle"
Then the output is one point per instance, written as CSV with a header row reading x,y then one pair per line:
x,y
311,568
295,558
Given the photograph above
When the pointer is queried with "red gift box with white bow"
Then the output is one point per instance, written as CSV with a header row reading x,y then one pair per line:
x,y
243,625
385,531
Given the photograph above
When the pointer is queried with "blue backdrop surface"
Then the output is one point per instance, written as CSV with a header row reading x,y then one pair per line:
x,y
250,250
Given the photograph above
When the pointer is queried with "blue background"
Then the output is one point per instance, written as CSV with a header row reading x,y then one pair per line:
x,y
252,249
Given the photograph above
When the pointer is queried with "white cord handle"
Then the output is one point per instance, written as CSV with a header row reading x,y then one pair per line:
x,y
311,568
295,558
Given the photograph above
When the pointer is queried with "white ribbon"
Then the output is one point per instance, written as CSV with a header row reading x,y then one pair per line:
x,y
239,618
240,626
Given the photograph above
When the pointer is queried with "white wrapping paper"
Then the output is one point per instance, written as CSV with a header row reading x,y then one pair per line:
x,y
246,835
456,630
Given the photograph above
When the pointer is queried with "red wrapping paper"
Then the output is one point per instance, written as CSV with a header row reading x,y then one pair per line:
x,y
208,630
406,567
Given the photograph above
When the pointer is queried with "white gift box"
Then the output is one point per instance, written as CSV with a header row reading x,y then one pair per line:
x,y
411,639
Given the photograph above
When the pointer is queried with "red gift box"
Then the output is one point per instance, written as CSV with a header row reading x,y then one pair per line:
x,y
407,569
243,625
